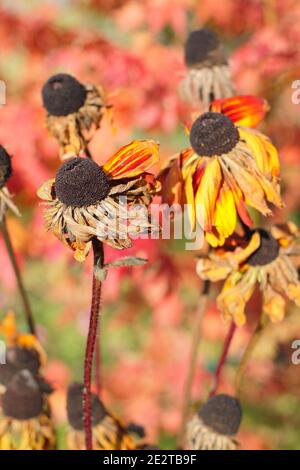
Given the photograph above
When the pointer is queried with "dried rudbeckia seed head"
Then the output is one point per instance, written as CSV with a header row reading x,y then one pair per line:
x,y
199,44
222,413
23,398
5,166
17,359
75,407
81,182
62,95
213,134
267,251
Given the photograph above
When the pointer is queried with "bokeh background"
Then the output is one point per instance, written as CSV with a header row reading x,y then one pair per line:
x,y
134,48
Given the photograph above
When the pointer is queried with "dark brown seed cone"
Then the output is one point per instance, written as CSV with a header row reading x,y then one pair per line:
x,y
5,166
222,413
81,182
267,251
213,134
23,398
75,407
18,358
62,94
199,44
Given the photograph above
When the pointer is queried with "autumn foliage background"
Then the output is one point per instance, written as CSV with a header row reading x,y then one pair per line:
x,y
135,50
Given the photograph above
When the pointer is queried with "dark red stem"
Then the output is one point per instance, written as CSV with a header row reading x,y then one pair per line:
x,y
222,360
90,345
98,366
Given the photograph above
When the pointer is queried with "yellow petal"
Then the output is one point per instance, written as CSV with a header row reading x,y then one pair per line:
x,y
214,239
133,159
240,256
207,193
225,213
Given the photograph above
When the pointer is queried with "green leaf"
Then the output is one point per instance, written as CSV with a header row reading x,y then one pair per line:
x,y
100,273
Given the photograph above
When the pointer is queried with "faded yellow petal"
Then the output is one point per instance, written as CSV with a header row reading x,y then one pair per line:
x,y
249,184
81,250
237,290
263,151
212,269
294,293
45,191
273,304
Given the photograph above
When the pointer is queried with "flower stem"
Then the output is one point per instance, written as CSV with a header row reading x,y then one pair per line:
x,y
247,354
91,341
97,366
222,360
20,284
202,304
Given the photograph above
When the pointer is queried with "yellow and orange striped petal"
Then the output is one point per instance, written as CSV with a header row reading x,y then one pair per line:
x,y
133,159
188,175
207,193
225,214
246,110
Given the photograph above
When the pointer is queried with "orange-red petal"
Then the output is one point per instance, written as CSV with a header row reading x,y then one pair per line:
x,y
132,159
246,110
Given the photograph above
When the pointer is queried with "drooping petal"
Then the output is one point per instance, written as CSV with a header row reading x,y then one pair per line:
x,y
189,193
45,191
133,159
213,268
294,293
273,304
263,151
214,238
237,195
248,183
240,256
172,183
225,213
207,193
237,290
245,110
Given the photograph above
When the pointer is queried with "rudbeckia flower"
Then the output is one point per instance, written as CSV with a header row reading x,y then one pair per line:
x,y
226,168
5,174
216,424
244,110
266,260
86,200
25,423
208,75
23,351
73,109
108,431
